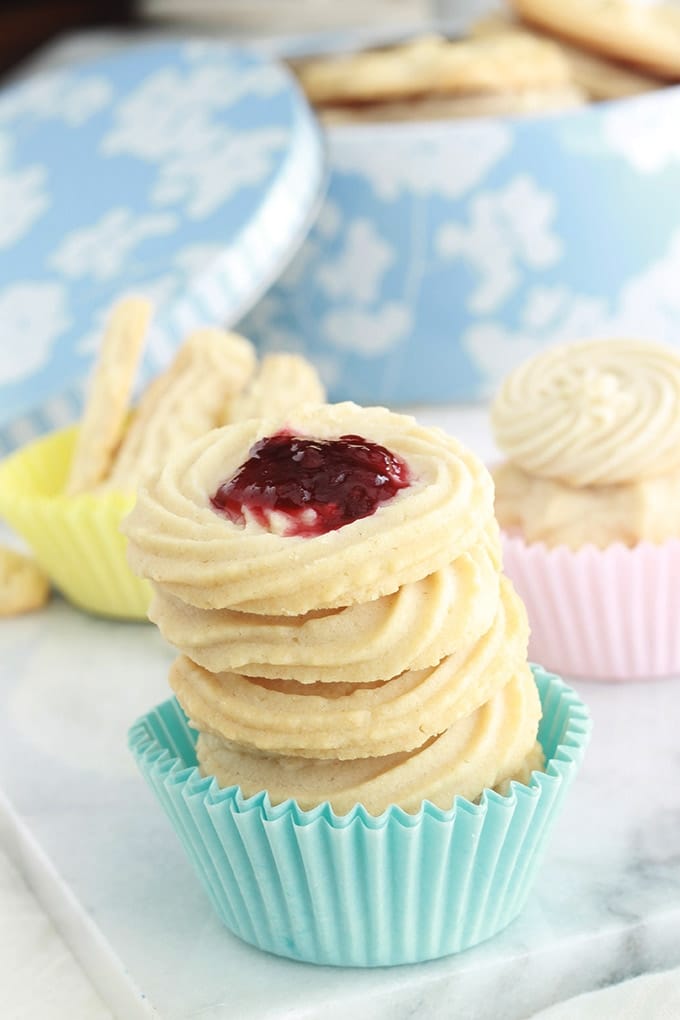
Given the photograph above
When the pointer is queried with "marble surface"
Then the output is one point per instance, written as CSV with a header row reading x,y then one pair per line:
x,y
38,975
103,859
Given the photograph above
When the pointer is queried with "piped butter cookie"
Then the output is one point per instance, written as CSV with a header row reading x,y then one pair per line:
x,y
411,628
484,750
596,75
347,720
386,744
591,432
645,35
433,66
187,400
588,501
331,506
282,383
108,401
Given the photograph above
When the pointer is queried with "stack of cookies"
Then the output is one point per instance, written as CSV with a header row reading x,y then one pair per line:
x,y
332,580
432,77
534,55
355,665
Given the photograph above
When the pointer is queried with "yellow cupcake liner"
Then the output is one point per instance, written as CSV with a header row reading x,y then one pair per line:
x,y
76,540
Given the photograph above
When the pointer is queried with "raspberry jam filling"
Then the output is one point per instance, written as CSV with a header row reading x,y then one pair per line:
x,y
319,485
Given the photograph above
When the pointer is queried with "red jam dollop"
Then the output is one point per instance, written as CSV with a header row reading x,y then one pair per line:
x,y
318,484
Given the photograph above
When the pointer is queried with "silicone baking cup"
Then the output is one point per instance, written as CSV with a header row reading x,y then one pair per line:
x,y
75,539
603,614
360,890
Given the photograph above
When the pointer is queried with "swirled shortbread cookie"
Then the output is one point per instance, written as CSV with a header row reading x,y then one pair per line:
x,y
331,506
412,628
283,383
334,576
483,750
23,586
596,412
433,66
109,395
187,400
646,35
349,720
592,435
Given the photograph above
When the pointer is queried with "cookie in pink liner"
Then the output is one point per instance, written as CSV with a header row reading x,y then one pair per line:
x,y
590,490
606,614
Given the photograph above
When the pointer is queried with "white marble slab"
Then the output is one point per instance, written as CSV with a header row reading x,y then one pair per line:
x,y
105,862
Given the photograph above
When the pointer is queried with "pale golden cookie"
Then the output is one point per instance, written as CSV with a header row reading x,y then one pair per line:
x,y
412,628
179,541
595,412
435,66
186,401
374,660
343,721
283,382
483,750
23,586
591,431
598,77
109,395
445,108
543,510
645,35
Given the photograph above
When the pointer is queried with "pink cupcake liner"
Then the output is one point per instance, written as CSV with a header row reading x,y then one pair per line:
x,y
603,614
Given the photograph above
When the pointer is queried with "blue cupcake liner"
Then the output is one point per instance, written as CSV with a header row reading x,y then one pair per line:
x,y
360,890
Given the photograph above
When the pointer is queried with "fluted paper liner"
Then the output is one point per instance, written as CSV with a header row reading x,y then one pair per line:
x,y
360,890
75,539
606,614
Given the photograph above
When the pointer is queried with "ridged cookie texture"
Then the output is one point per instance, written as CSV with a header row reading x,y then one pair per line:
x,y
283,382
343,720
411,628
178,541
484,750
595,412
591,432
190,398
380,663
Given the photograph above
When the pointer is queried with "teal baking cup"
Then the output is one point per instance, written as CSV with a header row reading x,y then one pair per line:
x,y
358,890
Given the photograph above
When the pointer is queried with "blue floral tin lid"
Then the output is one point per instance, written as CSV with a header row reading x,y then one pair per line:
x,y
186,171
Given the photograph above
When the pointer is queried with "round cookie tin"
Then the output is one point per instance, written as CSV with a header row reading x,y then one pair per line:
x,y
443,255
447,252
186,171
